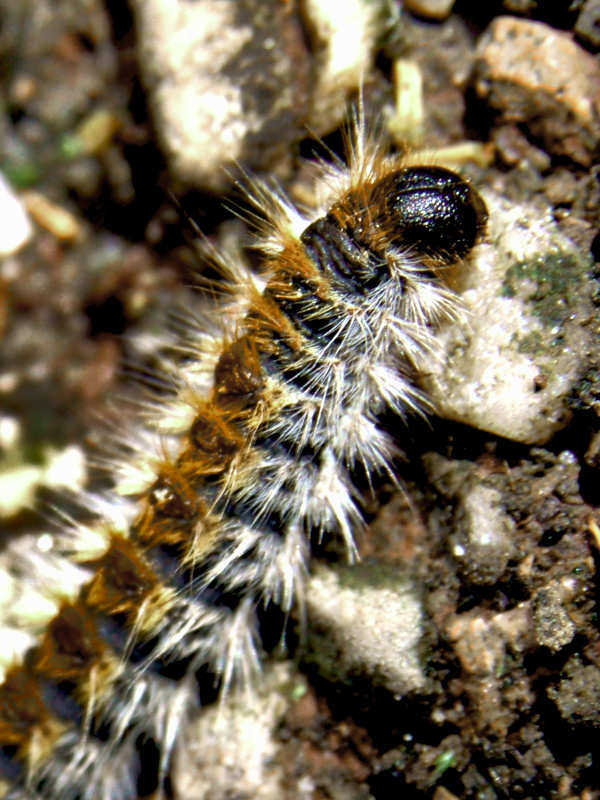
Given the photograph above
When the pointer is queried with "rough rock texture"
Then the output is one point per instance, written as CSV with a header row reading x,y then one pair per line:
x,y
367,620
528,333
577,696
553,627
239,759
533,74
483,533
227,82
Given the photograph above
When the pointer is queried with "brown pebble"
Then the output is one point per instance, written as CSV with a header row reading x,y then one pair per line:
x,y
532,74
587,27
513,148
561,187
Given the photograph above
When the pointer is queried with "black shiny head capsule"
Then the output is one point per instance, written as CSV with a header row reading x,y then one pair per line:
x,y
431,211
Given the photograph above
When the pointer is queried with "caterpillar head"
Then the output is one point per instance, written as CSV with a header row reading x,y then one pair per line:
x,y
431,211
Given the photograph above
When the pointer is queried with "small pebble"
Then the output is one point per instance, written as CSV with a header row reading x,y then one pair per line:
x,y
97,130
406,123
587,27
484,533
10,432
431,9
343,45
553,627
533,74
15,230
577,696
366,620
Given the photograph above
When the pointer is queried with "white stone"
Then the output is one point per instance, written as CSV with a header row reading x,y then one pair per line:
x,y
15,228
221,88
374,626
510,366
230,748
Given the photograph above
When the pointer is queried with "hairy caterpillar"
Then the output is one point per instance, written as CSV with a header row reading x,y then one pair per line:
x,y
279,413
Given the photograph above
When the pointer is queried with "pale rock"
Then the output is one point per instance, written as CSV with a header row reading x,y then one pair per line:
x,y
230,748
227,82
508,367
367,620
536,76
16,229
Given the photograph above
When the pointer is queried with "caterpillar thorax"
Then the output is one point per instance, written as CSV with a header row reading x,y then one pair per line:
x,y
286,408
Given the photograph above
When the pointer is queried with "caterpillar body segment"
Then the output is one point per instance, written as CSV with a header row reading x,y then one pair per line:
x,y
273,419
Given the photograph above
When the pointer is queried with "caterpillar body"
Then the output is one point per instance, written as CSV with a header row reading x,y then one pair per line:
x,y
280,412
